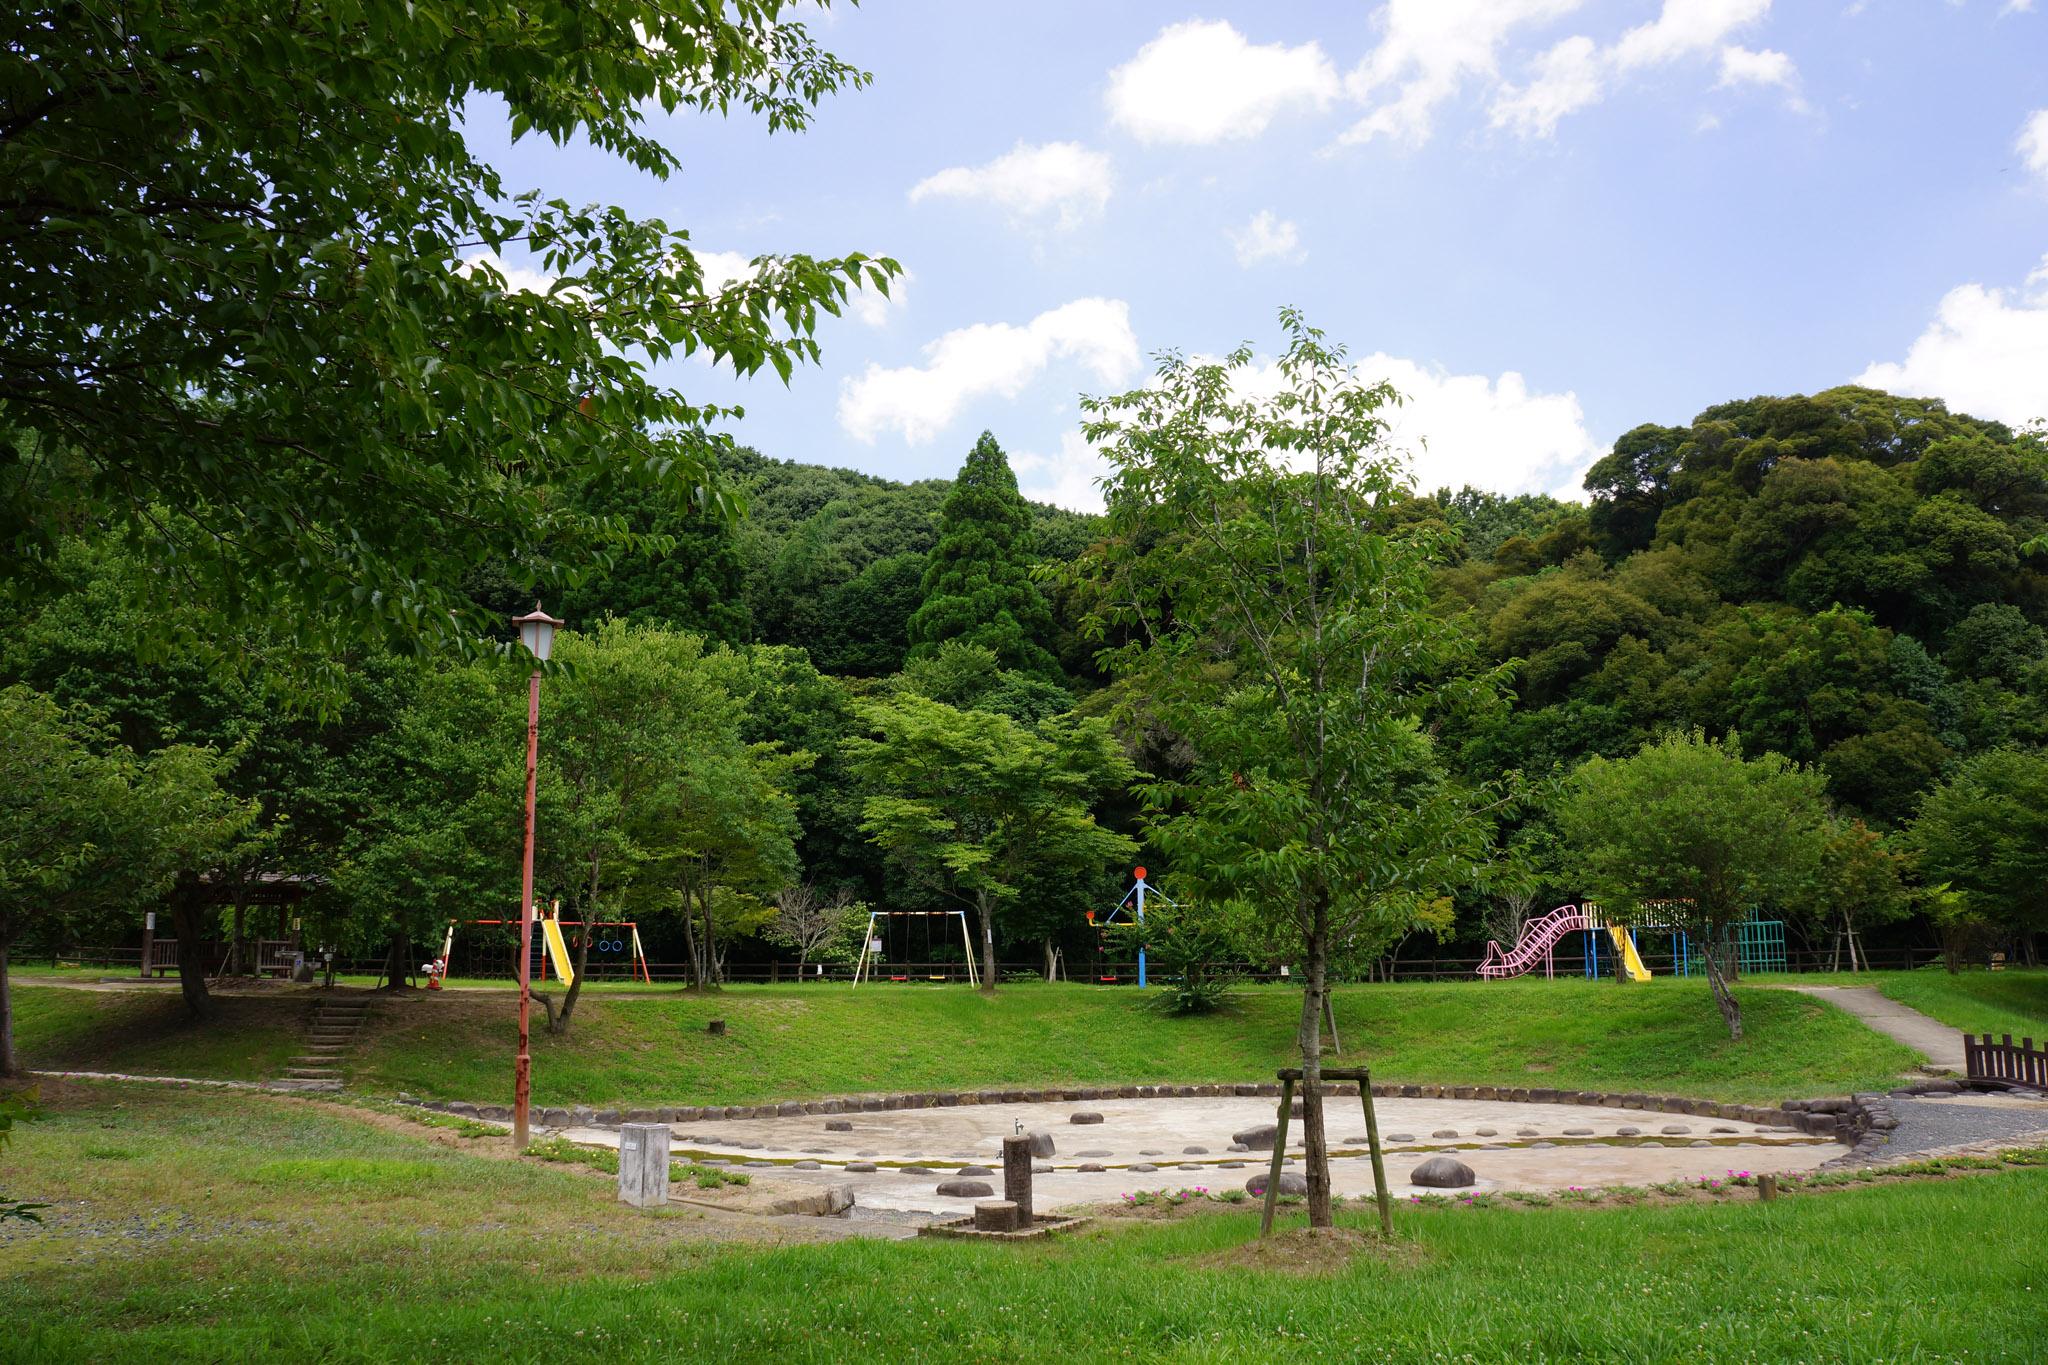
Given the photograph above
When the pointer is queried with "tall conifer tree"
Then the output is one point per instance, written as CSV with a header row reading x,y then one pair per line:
x,y
977,582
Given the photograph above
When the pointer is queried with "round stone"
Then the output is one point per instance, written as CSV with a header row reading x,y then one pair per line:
x,y
1627,1132
1527,1132
1400,1137
1540,1146
1230,1165
1442,1173
965,1189
1144,1166
1041,1170
1674,1129
1699,1142
1723,1128
1194,1151
806,1166
915,1170
761,1164
1239,1147
862,1167
1150,1151
1084,1116
1578,1132
869,1153
1445,1133
1040,1141
1356,1141
1095,1151
1089,1166
1486,1132
838,1125
1256,1139
975,1170
1191,1165
1290,1183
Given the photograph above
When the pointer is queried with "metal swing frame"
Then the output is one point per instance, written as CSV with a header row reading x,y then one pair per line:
x,y
863,968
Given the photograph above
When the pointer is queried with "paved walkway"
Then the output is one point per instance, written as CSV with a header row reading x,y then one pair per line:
x,y
1940,1044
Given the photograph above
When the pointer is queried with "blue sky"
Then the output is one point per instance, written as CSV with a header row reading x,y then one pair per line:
x,y
1546,220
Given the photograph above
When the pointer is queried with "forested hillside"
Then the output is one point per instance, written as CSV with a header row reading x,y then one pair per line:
x,y
785,706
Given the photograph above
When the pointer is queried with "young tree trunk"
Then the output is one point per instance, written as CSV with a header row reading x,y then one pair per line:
x,y
1048,960
188,923
690,944
988,944
711,965
9,1069
560,1023
1731,1013
234,967
1315,1155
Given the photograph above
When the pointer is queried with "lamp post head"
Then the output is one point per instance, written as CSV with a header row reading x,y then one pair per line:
x,y
537,632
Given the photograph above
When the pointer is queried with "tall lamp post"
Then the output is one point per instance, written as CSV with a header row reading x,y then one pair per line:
x,y
537,633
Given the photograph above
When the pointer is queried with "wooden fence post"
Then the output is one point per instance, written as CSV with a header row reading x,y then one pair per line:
x,y
1379,1165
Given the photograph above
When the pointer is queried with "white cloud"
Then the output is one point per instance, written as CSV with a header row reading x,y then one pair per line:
x,y
1267,237
1685,28
1566,79
2033,143
1427,51
1067,478
1457,429
723,269
1491,433
519,279
1030,182
1200,81
920,401
1740,66
870,306
1986,353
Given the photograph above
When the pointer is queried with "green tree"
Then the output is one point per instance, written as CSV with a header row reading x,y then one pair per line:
x,y
1984,834
1860,883
289,369
1279,625
1690,834
973,803
977,580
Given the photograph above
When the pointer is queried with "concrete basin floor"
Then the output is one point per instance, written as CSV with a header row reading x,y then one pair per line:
x,y
1154,1132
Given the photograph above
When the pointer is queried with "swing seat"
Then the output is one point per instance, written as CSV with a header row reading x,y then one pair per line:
x,y
1107,980
899,978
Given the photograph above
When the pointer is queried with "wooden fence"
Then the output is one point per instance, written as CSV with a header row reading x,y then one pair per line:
x,y
2019,1063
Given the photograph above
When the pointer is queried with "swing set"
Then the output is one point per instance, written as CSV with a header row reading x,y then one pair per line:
x,y
551,946
871,947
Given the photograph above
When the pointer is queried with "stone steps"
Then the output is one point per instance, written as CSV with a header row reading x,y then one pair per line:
x,y
329,1035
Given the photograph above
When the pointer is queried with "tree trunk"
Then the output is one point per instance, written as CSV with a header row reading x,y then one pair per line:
x,y
711,968
8,1067
1315,1155
396,956
187,923
1048,960
560,1023
1731,1013
234,967
690,944
988,944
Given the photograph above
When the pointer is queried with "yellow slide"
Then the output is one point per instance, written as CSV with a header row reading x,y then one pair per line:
x,y
1631,960
558,951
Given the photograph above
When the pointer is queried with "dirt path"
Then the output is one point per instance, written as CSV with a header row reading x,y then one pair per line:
x,y
1940,1044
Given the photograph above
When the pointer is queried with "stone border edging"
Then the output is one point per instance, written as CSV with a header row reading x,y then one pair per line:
x,y
1820,1118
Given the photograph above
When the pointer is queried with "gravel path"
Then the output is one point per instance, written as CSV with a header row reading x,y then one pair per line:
x,y
1931,1125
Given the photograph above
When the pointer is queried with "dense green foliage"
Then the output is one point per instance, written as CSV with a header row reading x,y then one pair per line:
x,y
977,588
292,373
1689,834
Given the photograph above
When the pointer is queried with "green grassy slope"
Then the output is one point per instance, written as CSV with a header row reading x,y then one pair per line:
x,y
273,1228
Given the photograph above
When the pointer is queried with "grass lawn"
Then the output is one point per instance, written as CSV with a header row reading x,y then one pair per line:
x,y
796,1041
148,1032
192,1226
2013,1002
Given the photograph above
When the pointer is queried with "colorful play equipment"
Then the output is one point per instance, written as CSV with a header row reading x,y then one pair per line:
x,y
1135,899
1759,945
871,945
551,946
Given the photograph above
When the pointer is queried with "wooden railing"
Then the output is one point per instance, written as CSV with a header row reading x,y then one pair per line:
x,y
2018,1063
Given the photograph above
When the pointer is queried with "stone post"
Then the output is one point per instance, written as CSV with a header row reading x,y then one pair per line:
x,y
1017,1176
643,1164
